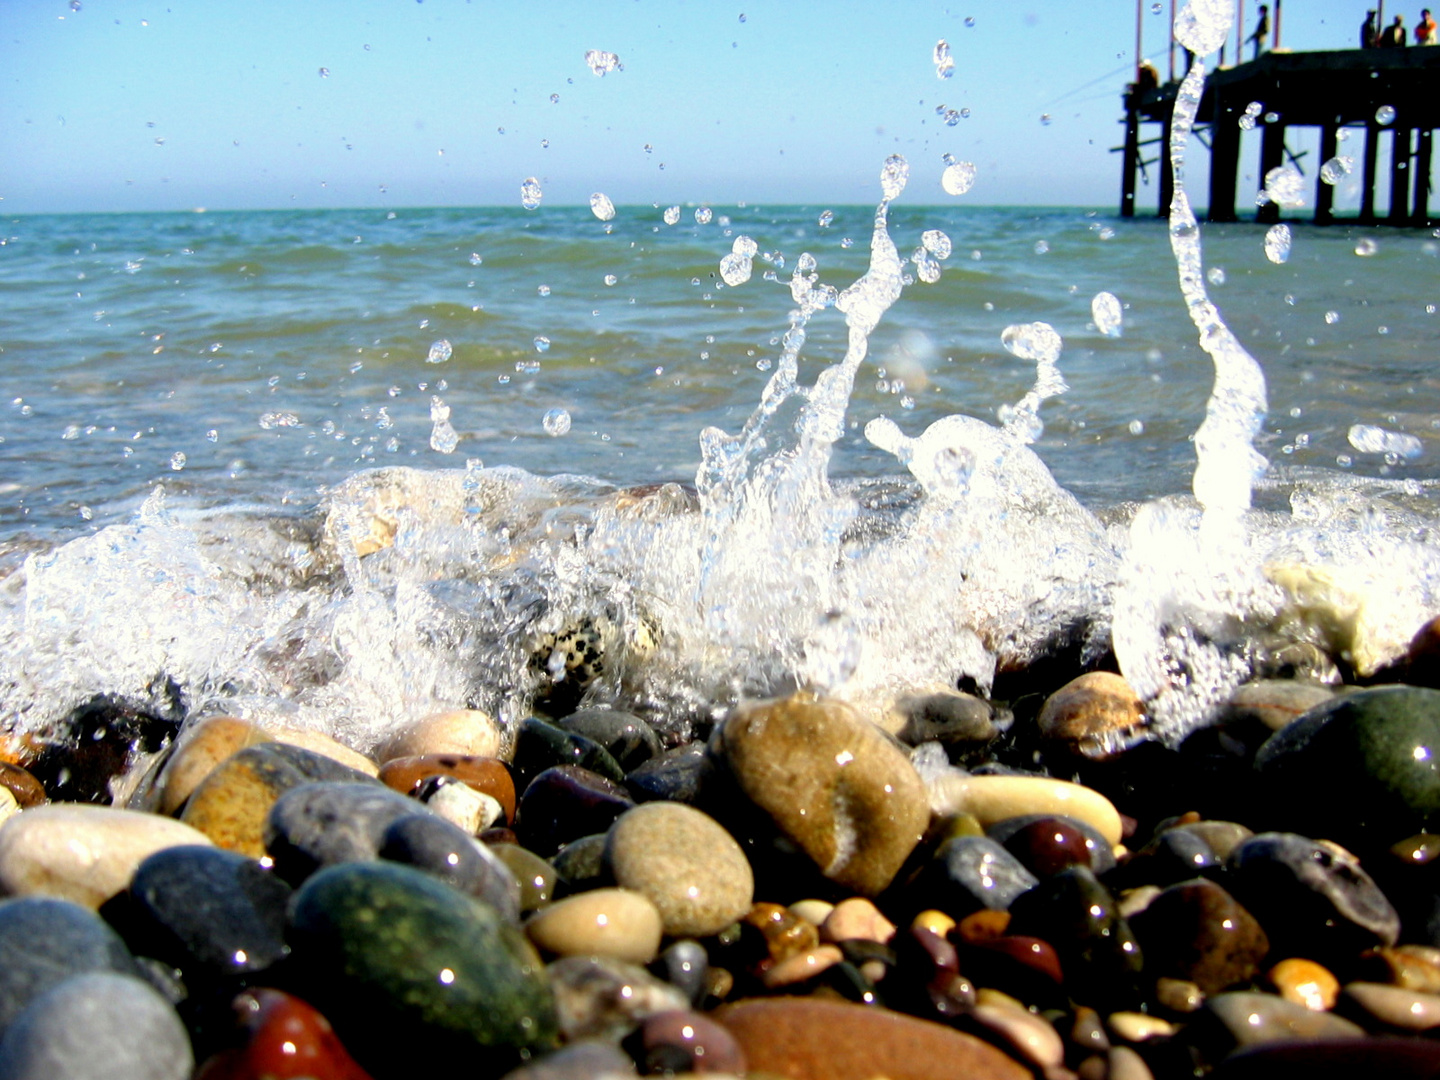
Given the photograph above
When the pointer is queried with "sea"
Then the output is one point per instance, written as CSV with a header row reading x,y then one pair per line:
x,y
342,468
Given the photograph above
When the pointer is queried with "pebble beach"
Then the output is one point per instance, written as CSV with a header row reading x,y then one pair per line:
x,y
959,887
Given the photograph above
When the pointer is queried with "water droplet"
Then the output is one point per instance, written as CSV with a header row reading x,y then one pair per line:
x,y
958,178
556,422
1042,247
530,193
747,247
1202,25
944,61
1365,247
542,343
74,5
1332,317
1137,427
926,268
1369,439
544,144
601,206
1105,310
969,22
212,435
324,73
893,175
735,269
271,420
177,461
1277,243
1215,275
1385,115
440,351
1247,118
86,513
1032,341
936,242
1155,8
671,215
611,279
703,214
832,652
543,290
443,437
825,218
846,242
601,62
1045,118
475,259
1336,169
554,99
1284,186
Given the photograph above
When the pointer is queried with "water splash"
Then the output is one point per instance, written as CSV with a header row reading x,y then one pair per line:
x,y
601,206
530,193
1106,311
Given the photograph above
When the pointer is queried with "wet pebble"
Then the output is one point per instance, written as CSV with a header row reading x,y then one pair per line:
x,y
281,1037
1048,843
1241,1019
956,721
1031,1038
1394,1006
564,803
1196,931
324,824
673,776
601,998
441,849
486,775
540,746
75,941
624,736
467,732
1092,715
972,872
1305,982
584,1060
616,923
992,799
1276,702
687,1042
536,877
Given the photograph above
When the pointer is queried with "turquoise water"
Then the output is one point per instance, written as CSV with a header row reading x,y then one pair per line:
x,y
279,352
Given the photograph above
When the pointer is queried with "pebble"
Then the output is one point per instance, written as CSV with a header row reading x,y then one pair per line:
x,y
439,848
26,790
813,911
585,1060
97,1026
1422,659
1093,715
458,803
324,824
76,941
1305,982
801,966
1335,1059
1222,837
1377,746
580,865
1276,702
486,775
685,862
1123,1063
1178,995
397,960
625,737
600,998
540,746
1035,1040
831,782
231,803
282,1038
687,1042
82,852
992,799
1312,900
956,721
617,923
468,732
972,872
673,776
856,919
1415,967
1409,1010
1197,931
1048,843
564,803
831,1040
208,912
537,878
1242,1018
686,966
1136,1027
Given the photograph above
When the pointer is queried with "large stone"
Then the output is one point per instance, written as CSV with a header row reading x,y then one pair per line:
x,y
831,782
1360,768
1094,714
1197,931
281,1037
690,868
404,965
626,737
82,852
324,824
488,776
832,1040
992,799
100,1026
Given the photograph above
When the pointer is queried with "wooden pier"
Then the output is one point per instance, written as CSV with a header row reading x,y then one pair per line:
x,y
1330,91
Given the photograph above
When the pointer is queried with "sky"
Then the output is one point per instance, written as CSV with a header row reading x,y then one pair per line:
x,y
118,105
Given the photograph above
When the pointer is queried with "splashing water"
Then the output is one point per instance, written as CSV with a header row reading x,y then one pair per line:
x,y
1369,439
958,178
439,352
1277,243
443,437
602,207
1106,311
556,422
601,62
944,61
1336,169
530,193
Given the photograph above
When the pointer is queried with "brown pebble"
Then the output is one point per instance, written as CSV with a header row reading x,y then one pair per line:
x,y
937,922
1178,995
798,967
1304,982
1087,1031
785,933
982,925
1411,966
1093,715
486,775
27,790
468,732
857,919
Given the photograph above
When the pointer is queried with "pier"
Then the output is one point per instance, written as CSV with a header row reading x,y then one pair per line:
x,y
1335,91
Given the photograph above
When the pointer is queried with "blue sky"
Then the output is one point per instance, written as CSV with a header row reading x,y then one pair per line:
x,y
141,105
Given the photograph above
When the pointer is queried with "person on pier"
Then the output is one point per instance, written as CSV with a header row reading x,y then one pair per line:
x,y
1367,31
1425,30
1393,36
1262,31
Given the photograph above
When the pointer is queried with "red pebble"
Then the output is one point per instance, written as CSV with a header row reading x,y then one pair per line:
x,y
284,1039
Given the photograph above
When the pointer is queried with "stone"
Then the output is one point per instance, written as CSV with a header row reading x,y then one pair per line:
x,y
968,873
1221,837
97,1026
1098,951
1408,1010
398,960
281,1038
76,941
1195,930
831,1040
564,803
1242,1019
672,776
926,980
1123,1063
856,919
625,737
956,721
600,998
209,912
992,799
1422,659
540,746
685,862
1415,967
831,782
231,803
814,911
462,862
1346,612
801,966
458,803
26,790
1030,1036
1136,1027
323,824
1093,715
9,805
1312,900
468,732
1087,1031
486,775
617,923
581,867
537,878
1178,995
1174,855
1377,746
585,1060
1045,844
1334,1059
782,934
687,1042
1275,702
1305,982
82,852
686,966
1026,967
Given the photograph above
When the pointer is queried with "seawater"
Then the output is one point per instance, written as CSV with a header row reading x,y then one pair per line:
x,y
195,406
